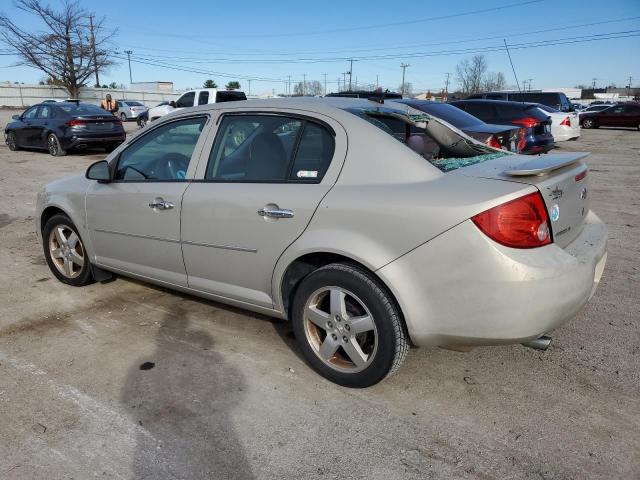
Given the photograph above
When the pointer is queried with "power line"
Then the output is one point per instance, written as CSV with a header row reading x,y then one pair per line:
x,y
457,40
485,49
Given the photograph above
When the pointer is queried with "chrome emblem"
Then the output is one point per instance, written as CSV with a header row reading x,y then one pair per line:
x,y
556,193
555,213
583,193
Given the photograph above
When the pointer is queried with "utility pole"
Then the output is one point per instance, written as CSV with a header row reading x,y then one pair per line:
x,y
403,66
289,85
446,85
350,72
304,84
529,81
249,80
129,52
377,85
629,87
593,85
325,84
93,50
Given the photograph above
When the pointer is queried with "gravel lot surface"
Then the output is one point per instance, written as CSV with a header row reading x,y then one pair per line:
x,y
229,396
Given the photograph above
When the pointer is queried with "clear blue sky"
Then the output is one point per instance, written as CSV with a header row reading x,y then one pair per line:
x,y
261,38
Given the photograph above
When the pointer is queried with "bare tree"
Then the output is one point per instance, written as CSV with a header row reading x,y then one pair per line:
x,y
494,81
71,48
406,89
470,73
312,87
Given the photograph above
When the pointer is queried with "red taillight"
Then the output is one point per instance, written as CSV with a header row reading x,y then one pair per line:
x,y
528,122
566,122
492,141
581,175
520,223
522,140
75,123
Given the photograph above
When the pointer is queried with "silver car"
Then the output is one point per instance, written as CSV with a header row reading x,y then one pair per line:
x,y
371,227
130,109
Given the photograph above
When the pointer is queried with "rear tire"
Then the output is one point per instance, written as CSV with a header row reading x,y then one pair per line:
x,y
65,252
348,326
53,144
12,142
588,123
142,122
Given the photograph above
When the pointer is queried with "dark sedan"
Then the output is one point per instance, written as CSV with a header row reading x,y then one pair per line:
x,y
535,123
497,136
621,115
59,127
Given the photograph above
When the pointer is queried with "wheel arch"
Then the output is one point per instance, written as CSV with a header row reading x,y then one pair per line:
x,y
304,264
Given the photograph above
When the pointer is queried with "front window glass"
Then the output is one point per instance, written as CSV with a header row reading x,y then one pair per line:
x,y
162,154
31,113
186,100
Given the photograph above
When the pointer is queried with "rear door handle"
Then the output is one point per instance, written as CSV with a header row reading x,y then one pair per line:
x,y
275,212
159,204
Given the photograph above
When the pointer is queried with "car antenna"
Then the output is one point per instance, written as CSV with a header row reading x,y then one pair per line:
x,y
513,69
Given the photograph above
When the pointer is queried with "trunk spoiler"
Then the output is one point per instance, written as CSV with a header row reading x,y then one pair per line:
x,y
542,165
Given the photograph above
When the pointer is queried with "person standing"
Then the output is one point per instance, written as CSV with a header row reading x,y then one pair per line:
x,y
109,105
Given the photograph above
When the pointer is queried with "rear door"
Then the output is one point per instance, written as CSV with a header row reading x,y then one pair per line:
x,y
41,124
264,178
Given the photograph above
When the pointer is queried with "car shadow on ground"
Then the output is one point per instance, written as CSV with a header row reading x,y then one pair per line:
x,y
182,397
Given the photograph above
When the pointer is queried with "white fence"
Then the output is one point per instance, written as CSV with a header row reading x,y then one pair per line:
x,y
20,96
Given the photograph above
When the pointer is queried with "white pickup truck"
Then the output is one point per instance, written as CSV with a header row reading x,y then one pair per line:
x,y
192,98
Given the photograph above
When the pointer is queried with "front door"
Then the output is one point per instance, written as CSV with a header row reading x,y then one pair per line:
x,y
264,179
27,131
134,220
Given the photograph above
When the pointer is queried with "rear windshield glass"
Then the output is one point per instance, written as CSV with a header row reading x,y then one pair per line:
x,y
134,104
81,109
440,145
547,108
453,115
230,96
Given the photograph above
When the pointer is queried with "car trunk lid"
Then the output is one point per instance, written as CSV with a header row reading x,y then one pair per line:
x,y
561,179
95,123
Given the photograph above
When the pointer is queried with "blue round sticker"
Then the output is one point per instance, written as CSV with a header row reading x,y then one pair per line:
x,y
555,213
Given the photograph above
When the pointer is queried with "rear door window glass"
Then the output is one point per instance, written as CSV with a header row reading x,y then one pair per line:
x,y
203,97
314,153
162,154
44,112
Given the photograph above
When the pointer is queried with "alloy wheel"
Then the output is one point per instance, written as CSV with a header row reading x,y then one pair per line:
x,y
587,123
66,251
340,329
53,144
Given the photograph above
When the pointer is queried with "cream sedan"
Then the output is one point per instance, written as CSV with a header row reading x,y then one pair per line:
x,y
370,226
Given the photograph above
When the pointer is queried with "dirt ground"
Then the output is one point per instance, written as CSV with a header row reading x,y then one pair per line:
x,y
230,397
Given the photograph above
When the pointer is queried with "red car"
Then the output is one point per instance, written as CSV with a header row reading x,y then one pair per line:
x,y
621,115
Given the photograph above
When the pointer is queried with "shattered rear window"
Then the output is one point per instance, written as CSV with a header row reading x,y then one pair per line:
x,y
436,141
449,164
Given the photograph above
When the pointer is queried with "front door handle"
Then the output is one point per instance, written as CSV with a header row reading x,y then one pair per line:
x,y
275,212
159,204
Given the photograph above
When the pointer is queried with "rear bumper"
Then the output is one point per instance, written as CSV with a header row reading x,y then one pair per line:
x,y
535,147
462,288
91,141
566,133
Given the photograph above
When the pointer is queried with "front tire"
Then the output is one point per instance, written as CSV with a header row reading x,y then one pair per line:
x,y
123,117
348,326
54,146
12,142
65,252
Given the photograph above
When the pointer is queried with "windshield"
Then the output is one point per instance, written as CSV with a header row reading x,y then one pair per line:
x,y
82,109
443,146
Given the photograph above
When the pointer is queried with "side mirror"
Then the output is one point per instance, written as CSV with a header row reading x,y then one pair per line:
x,y
99,171
15,117
172,104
